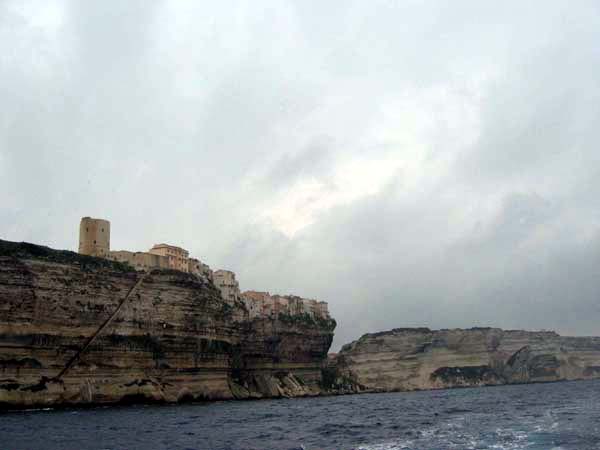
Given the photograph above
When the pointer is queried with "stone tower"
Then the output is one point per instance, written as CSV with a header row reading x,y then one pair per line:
x,y
94,237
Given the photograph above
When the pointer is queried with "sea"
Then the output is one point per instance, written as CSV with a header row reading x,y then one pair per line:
x,y
548,416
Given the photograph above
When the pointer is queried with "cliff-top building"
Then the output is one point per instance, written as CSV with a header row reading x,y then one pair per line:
x,y
94,240
263,304
227,284
94,237
178,258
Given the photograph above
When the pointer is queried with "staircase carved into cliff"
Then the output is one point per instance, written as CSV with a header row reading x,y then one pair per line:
x,y
99,331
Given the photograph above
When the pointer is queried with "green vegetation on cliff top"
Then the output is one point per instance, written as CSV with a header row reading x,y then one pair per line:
x,y
25,250
306,319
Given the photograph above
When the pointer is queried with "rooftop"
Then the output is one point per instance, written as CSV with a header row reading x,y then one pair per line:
x,y
174,247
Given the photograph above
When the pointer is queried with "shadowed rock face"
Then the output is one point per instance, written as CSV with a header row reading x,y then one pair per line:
x,y
419,358
174,339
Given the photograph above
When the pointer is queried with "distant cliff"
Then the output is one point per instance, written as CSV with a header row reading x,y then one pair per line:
x,y
83,330
418,358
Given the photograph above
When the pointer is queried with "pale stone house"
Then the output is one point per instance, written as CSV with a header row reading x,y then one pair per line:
x,y
227,284
322,310
178,257
254,301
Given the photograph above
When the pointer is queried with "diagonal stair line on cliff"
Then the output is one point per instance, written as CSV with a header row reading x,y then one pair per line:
x,y
105,324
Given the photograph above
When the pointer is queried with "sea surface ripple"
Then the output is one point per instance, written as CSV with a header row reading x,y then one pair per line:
x,y
537,417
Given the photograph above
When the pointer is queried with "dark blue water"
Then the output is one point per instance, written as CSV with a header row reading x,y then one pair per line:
x,y
541,417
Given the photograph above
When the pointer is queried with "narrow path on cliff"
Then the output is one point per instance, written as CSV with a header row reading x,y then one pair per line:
x,y
99,331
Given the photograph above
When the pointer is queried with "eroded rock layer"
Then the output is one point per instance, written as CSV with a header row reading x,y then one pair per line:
x,y
419,358
173,339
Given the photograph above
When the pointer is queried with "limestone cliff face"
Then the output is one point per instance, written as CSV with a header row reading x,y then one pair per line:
x,y
419,358
172,339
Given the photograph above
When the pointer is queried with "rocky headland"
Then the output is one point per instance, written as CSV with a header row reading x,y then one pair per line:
x,y
77,330
81,330
406,359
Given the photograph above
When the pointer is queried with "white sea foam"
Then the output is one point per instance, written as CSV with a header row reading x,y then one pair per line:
x,y
454,438
396,445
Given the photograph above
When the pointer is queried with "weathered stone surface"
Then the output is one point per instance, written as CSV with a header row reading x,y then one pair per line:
x,y
174,339
419,358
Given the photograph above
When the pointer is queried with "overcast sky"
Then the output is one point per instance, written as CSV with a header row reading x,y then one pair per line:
x,y
413,163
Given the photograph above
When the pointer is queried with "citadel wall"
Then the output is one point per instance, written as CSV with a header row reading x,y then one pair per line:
x,y
140,260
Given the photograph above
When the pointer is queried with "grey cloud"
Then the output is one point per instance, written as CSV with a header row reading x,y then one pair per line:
x,y
316,160
194,121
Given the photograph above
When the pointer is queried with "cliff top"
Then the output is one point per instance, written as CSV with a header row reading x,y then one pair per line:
x,y
26,250
425,330
445,330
